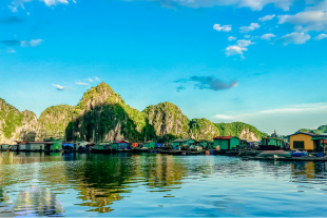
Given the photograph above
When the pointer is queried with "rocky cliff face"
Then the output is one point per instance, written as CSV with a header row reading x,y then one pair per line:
x,y
203,129
54,120
103,111
13,122
168,120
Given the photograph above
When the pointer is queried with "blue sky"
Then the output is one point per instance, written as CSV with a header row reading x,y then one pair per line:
x,y
261,62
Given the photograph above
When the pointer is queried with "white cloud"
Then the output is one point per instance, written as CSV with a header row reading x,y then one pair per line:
x,y
247,36
232,38
91,80
225,28
235,50
10,50
81,84
97,79
295,38
13,8
253,26
54,2
321,36
285,120
252,4
31,43
267,17
267,36
311,20
239,48
20,3
59,87
244,43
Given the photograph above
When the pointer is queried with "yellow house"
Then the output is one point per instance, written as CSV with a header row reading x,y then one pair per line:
x,y
303,141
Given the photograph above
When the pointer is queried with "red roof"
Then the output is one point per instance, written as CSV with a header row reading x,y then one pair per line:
x,y
123,142
224,137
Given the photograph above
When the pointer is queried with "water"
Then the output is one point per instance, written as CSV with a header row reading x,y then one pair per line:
x,y
125,185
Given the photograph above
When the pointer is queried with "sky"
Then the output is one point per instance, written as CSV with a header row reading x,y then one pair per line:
x,y
261,62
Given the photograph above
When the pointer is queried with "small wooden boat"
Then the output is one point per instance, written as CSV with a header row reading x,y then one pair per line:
x,y
275,153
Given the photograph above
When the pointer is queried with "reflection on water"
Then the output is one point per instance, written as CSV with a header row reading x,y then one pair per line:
x,y
36,184
39,202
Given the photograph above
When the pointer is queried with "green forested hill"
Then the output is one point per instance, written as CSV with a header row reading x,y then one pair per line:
x,y
319,130
242,130
103,111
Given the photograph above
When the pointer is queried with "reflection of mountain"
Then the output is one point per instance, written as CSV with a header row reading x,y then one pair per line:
x,y
38,202
162,170
101,179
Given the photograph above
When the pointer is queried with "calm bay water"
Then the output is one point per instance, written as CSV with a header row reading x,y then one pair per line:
x,y
80,185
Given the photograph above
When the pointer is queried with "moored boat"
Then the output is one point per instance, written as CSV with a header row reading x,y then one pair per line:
x,y
275,153
102,148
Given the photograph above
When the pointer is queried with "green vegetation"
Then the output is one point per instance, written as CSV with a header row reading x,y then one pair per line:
x,y
104,111
236,129
10,118
319,130
54,120
203,129
168,121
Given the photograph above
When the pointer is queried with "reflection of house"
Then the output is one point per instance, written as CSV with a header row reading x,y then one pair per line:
x,y
226,142
38,201
308,141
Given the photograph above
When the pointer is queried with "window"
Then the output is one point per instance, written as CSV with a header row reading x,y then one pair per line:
x,y
298,144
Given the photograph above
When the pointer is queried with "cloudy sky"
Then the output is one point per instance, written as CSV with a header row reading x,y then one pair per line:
x,y
261,62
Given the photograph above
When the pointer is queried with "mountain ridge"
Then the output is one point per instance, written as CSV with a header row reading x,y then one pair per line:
x,y
104,111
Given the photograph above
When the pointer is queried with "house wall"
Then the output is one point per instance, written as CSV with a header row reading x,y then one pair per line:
x,y
150,145
308,143
234,142
223,144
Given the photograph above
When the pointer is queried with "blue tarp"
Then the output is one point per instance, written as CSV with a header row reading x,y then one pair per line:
x,y
123,145
69,145
158,145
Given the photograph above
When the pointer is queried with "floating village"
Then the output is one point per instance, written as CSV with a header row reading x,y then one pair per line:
x,y
295,147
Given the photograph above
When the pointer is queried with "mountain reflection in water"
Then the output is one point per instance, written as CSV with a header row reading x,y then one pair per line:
x,y
37,184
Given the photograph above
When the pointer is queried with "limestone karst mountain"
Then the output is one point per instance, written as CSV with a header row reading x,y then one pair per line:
x,y
103,116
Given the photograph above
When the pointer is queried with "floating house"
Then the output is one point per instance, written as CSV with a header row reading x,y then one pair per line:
x,y
4,147
205,144
226,142
177,144
308,141
273,141
150,144
114,145
122,145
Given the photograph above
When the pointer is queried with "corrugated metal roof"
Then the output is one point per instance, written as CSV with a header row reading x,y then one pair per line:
x,y
305,133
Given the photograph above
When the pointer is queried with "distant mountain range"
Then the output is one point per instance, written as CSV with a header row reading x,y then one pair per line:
x,y
103,116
